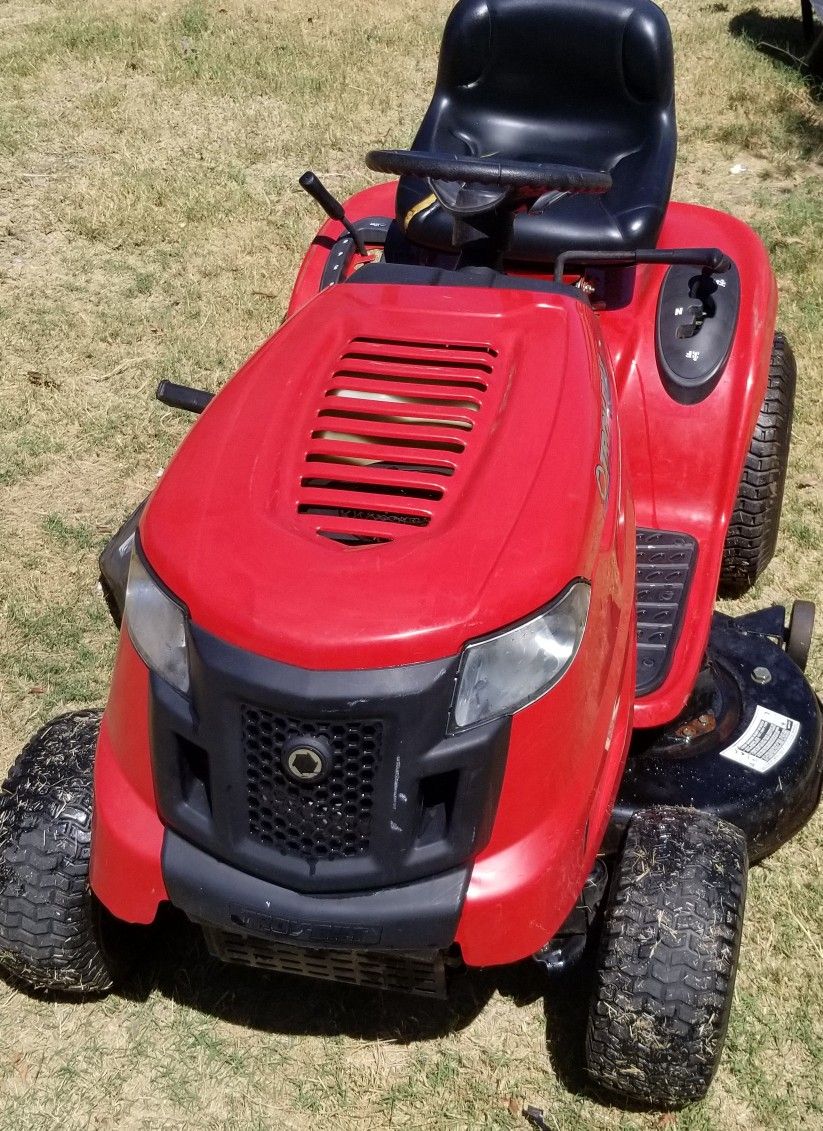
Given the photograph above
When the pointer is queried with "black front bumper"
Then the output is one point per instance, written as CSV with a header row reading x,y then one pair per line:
x,y
417,916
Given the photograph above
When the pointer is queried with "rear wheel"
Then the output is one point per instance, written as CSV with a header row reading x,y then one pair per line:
x,y
752,533
54,933
668,958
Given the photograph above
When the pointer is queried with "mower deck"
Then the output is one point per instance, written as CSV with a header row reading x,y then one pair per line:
x,y
747,747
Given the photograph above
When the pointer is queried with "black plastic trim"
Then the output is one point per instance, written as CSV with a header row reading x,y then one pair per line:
x,y
373,230
419,972
114,564
696,322
412,704
666,561
412,274
413,916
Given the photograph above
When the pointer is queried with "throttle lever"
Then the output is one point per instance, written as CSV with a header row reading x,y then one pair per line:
x,y
331,206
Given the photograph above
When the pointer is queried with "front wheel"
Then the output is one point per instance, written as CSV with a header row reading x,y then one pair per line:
x,y
668,957
54,934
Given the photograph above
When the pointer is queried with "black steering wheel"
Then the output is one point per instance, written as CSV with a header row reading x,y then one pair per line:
x,y
444,172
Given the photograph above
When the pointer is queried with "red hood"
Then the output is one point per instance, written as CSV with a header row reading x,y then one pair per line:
x,y
482,407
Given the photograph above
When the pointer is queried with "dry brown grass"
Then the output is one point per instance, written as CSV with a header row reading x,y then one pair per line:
x,y
148,159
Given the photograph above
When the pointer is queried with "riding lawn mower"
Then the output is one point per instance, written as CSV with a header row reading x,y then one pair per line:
x,y
419,666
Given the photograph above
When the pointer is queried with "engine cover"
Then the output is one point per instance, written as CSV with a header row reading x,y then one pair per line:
x,y
397,470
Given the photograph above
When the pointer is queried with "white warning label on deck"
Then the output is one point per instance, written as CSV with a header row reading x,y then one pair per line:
x,y
766,740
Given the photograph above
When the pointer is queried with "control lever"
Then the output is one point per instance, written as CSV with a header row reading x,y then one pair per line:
x,y
331,206
695,315
711,259
183,396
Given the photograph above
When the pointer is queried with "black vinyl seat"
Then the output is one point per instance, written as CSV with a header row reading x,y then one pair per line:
x,y
579,82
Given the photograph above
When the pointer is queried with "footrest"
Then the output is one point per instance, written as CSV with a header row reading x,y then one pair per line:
x,y
665,563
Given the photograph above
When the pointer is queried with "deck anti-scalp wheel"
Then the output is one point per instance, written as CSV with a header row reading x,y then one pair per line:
x,y
800,631
665,974
752,533
54,934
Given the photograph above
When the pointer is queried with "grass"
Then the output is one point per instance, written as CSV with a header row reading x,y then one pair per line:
x,y
150,226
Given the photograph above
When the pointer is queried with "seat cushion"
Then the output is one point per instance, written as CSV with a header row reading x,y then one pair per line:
x,y
579,82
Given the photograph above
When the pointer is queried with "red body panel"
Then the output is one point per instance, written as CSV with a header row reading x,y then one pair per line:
x,y
518,518
565,762
685,460
127,833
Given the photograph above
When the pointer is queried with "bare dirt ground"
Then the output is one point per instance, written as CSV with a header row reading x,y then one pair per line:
x,y
150,226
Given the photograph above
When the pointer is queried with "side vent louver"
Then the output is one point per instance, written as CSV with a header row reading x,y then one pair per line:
x,y
389,434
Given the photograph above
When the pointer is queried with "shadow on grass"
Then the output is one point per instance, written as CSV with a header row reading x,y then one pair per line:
x,y
566,1005
782,39
170,958
177,964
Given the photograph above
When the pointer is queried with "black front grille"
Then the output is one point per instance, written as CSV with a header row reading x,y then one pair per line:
x,y
400,800
421,972
328,821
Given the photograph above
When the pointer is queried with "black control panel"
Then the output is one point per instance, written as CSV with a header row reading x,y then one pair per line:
x,y
696,320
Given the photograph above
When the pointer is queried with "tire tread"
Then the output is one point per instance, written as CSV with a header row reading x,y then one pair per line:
x,y
668,957
50,922
753,529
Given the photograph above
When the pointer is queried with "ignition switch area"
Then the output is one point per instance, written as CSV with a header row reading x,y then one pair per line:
x,y
696,320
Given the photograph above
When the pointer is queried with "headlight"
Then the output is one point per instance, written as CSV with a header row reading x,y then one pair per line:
x,y
501,673
157,626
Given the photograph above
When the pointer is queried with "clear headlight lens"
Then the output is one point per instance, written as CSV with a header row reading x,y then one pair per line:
x,y
157,626
511,669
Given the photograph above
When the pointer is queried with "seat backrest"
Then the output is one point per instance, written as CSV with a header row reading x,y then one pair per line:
x,y
580,82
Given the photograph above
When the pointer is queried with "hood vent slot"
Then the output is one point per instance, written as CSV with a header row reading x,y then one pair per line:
x,y
352,539
374,488
389,435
